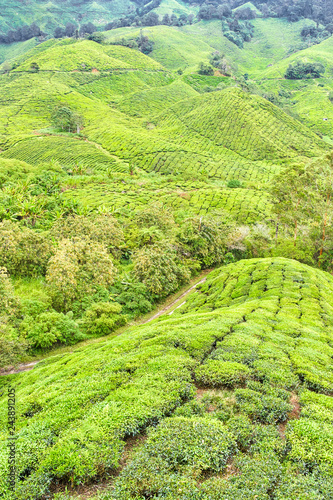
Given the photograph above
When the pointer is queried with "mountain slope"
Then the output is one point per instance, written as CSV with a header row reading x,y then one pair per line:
x,y
264,324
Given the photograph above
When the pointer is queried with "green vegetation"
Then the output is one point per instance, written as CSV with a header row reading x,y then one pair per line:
x,y
265,327
130,161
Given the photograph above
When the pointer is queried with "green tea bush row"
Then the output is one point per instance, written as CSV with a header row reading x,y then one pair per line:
x,y
126,385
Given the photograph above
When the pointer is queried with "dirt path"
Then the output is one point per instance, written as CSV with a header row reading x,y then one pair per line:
x,y
293,415
24,367
167,308
20,368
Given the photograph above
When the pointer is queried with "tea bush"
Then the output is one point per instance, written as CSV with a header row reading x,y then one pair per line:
x,y
218,374
128,385
177,445
263,408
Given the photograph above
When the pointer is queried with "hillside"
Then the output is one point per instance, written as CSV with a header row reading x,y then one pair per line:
x,y
275,44
166,243
231,385
63,76
185,47
49,15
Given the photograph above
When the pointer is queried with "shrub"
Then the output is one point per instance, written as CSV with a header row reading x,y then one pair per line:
x,y
242,429
49,328
263,408
218,373
76,270
102,318
310,442
256,478
134,298
97,37
298,487
23,251
190,409
178,444
201,443
234,183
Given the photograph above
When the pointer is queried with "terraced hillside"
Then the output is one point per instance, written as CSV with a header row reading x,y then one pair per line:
x,y
139,116
230,396
309,98
275,44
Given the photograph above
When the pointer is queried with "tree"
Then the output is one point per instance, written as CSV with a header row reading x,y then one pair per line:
x,y
103,229
205,69
321,198
145,45
87,29
302,70
102,318
66,119
23,251
70,29
291,192
173,20
34,67
204,239
150,225
166,20
150,19
183,19
78,269
59,32
160,269
97,37
223,10
6,67
12,347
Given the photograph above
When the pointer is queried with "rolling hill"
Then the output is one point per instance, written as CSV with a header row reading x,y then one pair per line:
x,y
123,176
246,365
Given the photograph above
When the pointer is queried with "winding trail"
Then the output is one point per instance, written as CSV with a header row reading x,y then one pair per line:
x,y
167,308
24,367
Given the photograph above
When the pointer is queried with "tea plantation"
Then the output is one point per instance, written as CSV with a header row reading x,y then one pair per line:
x,y
135,163
231,394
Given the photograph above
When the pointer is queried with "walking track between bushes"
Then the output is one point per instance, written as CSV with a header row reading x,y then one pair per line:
x,y
24,367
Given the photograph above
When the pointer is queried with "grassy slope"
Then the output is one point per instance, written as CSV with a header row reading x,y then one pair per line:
x,y
15,50
187,46
175,7
81,407
317,53
49,15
